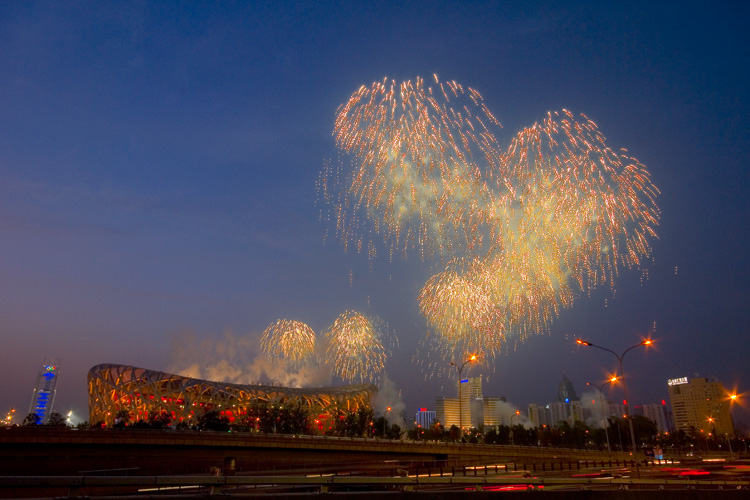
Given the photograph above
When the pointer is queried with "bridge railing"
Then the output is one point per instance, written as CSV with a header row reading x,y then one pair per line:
x,y
214,485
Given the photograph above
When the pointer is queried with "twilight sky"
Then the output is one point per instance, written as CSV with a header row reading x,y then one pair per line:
x,y
158,163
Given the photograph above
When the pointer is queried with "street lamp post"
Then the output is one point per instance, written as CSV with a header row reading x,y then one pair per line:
x,y
733,399
601,404
517,413
645,342
460,398
729,441
384,421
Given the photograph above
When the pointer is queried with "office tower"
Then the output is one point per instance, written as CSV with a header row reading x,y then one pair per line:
x,y
425,418
700,405
491,412
446,411
565,391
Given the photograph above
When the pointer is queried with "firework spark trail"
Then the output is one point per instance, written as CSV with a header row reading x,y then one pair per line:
x,y
416,170
434,351
600,206
461,308
289,341
355,348
554,214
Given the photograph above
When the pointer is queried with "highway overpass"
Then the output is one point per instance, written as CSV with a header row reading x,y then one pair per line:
x,y
49,451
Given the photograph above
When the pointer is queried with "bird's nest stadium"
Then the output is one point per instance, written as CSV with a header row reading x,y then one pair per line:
x,y
142,393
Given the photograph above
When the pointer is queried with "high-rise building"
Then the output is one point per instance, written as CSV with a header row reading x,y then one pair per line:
x,y
490,412
558,412
616,410
446,411
700,404
43,397
475,409
470,391
565,391
425,418
658,413
576,411
538,415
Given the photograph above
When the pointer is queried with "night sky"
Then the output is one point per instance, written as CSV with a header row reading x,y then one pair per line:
x,y
158,167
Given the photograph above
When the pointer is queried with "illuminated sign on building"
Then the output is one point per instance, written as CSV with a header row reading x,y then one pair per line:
x,y
677,381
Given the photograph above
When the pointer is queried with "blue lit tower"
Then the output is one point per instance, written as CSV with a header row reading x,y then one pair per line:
x,y
43,397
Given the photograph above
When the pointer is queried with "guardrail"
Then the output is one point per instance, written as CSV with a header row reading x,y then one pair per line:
x,y
214,485
22,435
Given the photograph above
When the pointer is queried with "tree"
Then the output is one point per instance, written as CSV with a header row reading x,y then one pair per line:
x,y
31,419
491,436
56,420
645,430
437,431
122,419
364,417
394,432
277,419
380,427
503,435
212,420
598,437
454,432
354,424
474,435
140,424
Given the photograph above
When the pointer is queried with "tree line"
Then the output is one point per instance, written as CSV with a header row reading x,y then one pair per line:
x,y
276,419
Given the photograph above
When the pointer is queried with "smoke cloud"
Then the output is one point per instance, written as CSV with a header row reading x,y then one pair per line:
x,y
505,410
389,395
592,408
238,359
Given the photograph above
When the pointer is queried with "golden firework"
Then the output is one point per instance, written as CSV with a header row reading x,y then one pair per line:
x,y
524,229
355,349
288,340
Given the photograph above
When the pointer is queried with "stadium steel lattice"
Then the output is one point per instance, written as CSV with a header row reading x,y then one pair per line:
x,y
142,392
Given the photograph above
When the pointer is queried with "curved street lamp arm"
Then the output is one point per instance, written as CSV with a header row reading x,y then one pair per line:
x,y
631,348
608,350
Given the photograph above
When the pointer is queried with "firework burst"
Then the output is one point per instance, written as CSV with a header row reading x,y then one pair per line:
x,y
355,348
524,229
289,341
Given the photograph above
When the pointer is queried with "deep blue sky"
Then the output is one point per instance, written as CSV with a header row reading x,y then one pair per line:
x,y
158,165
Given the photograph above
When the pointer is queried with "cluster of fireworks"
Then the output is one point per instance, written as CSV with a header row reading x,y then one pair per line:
x,y
523,229
355,346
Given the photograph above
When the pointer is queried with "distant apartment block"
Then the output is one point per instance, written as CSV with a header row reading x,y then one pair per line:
x,y
659,414
538,415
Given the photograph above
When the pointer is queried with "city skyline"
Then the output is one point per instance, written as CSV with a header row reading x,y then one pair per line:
x,y
158,167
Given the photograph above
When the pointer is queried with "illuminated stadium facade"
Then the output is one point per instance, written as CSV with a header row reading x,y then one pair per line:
x,y
144,393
